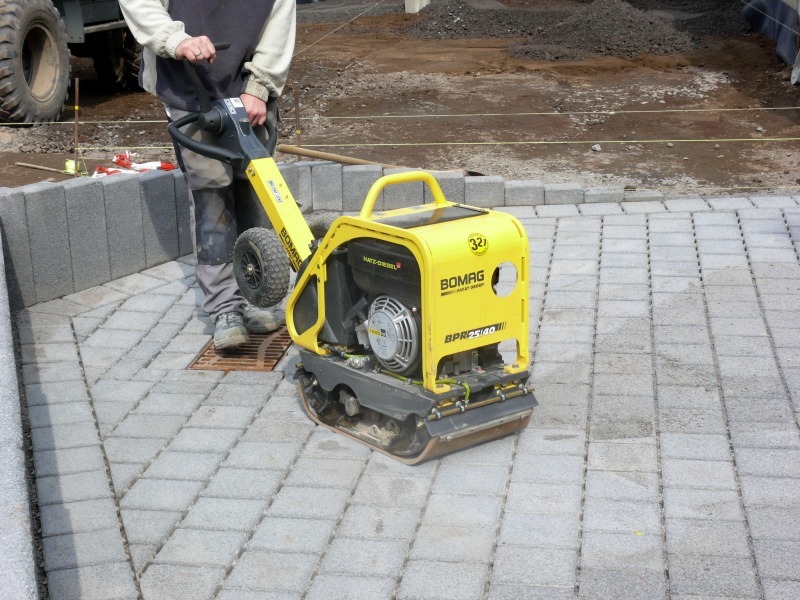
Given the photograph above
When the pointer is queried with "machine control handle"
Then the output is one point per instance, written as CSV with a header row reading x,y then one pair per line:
x,y
404,177
215,152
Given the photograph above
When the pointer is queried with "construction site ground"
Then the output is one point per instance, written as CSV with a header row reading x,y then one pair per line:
x,y
423,91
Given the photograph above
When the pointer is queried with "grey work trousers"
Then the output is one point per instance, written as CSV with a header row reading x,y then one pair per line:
x,y
215,276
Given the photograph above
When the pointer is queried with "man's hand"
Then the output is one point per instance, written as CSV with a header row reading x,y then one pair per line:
x,y
256,109
196,49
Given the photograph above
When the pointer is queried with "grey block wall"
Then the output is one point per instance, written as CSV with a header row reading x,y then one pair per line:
x,y
88,234
124,222
17,575
159,217
16,248
46,210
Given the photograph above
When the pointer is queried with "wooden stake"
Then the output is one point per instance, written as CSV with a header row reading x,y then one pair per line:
x,y
77,84
297,113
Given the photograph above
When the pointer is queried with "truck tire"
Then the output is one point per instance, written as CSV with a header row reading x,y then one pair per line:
x,y
34,61
116,57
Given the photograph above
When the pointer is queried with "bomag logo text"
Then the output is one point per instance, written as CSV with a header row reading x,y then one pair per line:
x,y
382,263
294,255
459,283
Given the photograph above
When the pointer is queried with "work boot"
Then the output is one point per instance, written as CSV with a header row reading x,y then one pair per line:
x,y
230,331
259,320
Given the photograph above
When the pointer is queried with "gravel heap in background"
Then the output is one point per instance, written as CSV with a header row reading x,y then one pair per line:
x,y
603,27
453,19
608,28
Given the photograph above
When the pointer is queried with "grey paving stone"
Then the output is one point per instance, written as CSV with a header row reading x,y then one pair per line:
x,y
471,479
263,455
695,446
123,475
479,512
228,417
174,582
60,414
159,217
56,372
557,210
622,485
191,466
718,505
549,531
292,535
92,583
698,421
83,549
197,439
686,537
524,192
78,517
485,192
68,460
200,547
88,238
561,469
305,502
169,404
534,566
767,462
149,526
729,203
712,576
775,589
376,558
551,441
622,583
773,523
622,457
125,224
345,587
698,474
244,484
135,283
272,571
64,436
621,551
434,580
602,514
161,494
519,591
777,558
399,491
326,185
148,426
325,472
453,544
373,522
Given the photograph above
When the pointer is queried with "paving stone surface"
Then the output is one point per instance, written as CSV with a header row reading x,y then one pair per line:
x,y
662,462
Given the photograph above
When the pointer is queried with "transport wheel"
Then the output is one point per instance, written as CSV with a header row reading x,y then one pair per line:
x,y
34,61
261,267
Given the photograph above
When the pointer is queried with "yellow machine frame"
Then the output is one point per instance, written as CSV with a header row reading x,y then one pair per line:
x,y
464,307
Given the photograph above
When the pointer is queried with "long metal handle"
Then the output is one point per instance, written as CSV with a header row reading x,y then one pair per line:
x,y
195,146
405,177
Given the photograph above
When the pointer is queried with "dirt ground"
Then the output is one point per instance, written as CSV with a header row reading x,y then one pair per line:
x,y
676,95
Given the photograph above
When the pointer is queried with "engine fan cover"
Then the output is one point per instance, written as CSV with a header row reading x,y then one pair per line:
x,y
393,332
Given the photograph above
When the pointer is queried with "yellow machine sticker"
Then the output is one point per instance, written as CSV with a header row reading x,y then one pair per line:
x,y
471,334
294,255
462,283
478,243
395,266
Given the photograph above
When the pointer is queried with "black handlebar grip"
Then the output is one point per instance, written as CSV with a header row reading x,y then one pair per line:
x,y
184,140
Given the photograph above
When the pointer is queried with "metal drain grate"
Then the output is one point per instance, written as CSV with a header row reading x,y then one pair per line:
x,y
262,353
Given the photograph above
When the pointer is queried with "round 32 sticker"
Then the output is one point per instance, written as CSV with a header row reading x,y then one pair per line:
x,y
478,243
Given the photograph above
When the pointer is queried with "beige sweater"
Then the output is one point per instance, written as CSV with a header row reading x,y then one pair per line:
x,y
153,27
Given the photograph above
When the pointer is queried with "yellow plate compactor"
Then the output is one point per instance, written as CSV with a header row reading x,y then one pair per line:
x,y
412,324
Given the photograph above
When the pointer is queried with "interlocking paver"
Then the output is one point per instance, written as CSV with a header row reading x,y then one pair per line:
x,y
654,384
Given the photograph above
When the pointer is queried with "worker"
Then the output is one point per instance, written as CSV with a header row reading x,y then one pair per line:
x,y
254,68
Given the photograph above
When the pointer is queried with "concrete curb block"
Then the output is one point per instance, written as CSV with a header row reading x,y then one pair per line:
x,y
64,238
18,573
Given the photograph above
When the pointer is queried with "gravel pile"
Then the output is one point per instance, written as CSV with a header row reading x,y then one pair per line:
x,y
608,28
453,19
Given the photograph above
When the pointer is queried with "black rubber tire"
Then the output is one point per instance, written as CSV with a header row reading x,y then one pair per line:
x,y
116,57
320,223
261,267
34,62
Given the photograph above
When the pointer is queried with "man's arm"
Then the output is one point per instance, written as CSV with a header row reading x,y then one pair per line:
x,y
152,26
270,65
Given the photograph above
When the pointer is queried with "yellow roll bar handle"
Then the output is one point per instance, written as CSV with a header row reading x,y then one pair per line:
x,y
405,177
